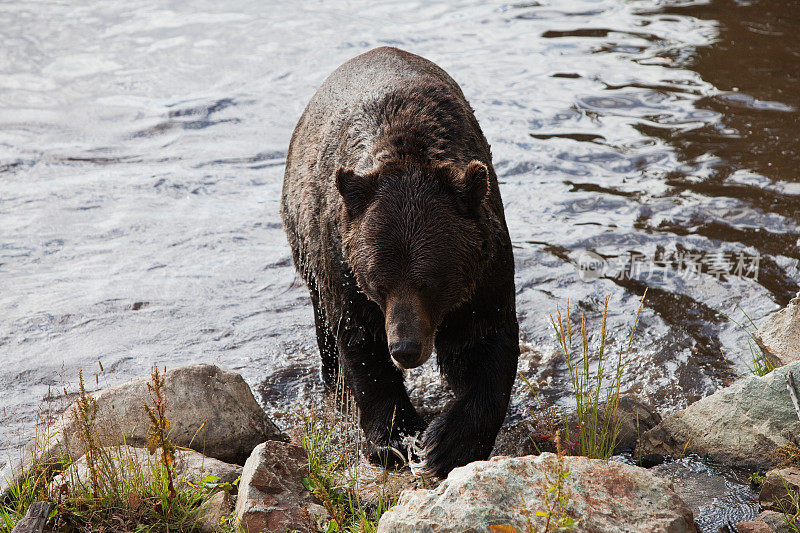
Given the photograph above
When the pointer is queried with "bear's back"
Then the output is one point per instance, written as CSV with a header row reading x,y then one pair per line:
x,y
372,74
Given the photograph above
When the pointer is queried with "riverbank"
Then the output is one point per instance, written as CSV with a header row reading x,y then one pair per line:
x,y
191,449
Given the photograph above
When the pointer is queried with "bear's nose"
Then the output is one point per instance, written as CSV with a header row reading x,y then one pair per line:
x,y
406,353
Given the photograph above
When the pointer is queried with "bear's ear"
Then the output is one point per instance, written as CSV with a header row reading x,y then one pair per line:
x,y
473,186
355,190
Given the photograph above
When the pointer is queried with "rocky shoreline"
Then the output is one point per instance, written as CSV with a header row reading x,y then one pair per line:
x,y
221,431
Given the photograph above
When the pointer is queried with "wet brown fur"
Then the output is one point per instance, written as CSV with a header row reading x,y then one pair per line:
x,y
393,212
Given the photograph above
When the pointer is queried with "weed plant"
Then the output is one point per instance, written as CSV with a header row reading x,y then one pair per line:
x,y
597,401
117,492
332,442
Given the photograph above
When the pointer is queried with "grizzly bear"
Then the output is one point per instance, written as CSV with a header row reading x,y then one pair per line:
x,y
393,213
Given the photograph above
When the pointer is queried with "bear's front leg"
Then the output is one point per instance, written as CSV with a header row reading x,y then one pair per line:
x,y
386,413
481,375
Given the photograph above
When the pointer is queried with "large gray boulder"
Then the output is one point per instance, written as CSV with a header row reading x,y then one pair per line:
x,y
210,410
779,335
740,425
602,496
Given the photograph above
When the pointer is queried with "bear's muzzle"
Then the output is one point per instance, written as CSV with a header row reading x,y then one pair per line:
x,y
408,331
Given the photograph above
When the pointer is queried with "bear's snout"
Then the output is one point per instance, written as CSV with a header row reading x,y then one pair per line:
x,y
406,353
408,331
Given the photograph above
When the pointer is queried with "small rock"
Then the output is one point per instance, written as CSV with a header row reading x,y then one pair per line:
x,y
779,335
601,495
525,438
775,494
741,425
215,510
777,521
189,465
636,417
521,438
271,493
649,460
753,526
35,519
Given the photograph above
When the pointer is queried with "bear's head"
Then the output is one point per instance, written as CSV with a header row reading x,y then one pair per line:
x,y
412,236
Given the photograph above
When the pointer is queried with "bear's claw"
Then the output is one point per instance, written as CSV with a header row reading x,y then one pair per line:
x,y
417,457
385,455
397,453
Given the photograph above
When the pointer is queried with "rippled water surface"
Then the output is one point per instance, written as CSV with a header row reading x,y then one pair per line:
x,y
142,147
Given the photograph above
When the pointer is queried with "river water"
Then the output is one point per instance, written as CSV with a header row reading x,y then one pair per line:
x,y
142,147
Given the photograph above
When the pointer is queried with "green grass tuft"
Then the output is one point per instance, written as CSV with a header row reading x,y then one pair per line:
x,y
597,402
758,364
332,443
757,479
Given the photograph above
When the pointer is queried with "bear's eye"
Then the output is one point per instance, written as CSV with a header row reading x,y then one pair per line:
x,y
426,285
381,291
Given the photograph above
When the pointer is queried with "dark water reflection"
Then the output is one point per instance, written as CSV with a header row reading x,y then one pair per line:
x,y
750,153
142,148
